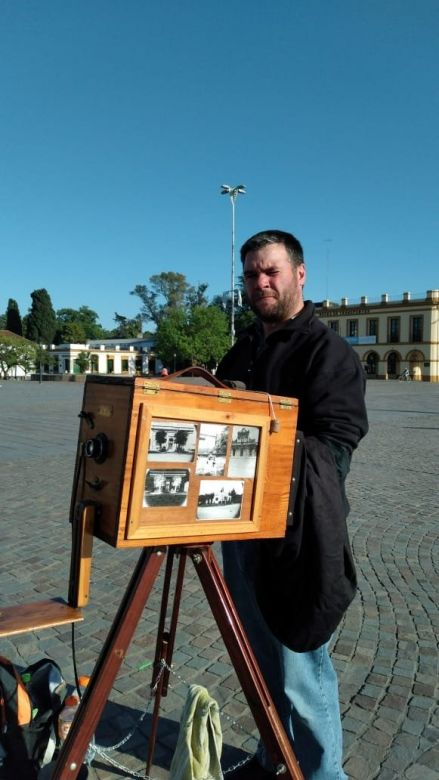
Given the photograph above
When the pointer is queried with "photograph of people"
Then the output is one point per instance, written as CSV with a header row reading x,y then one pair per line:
x,y
212,449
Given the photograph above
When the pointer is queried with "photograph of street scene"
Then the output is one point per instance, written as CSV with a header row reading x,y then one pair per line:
x,y
243,456
220,499
172,440
166,488
212,449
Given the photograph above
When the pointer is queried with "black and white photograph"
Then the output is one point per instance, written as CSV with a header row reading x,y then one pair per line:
x,y
220,499
172,440
212,449
244,451
165,488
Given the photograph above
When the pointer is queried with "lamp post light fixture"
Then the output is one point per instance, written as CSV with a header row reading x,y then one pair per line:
x,y
233,193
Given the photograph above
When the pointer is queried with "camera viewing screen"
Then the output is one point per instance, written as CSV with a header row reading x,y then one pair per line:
x,y
220,467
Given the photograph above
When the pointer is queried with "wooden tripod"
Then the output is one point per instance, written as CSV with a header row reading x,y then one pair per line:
x,y
115,647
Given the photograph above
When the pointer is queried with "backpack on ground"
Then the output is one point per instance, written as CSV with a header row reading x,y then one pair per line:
x,y
29,704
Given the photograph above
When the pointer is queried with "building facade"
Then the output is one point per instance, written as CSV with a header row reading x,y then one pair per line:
x,y
106,356
390,336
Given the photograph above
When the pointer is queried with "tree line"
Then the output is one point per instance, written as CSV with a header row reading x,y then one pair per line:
x,y
187,328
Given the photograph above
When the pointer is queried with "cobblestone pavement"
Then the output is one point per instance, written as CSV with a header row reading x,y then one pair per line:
x,y
385,651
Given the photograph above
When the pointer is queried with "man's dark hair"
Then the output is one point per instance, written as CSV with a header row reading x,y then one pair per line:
x,y
290,242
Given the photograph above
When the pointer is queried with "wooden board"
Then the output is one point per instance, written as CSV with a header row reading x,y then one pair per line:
x,y
22,618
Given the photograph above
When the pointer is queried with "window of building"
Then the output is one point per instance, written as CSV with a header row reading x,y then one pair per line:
x,y
416,328
333,324
393,329
352,328
372,328
125,365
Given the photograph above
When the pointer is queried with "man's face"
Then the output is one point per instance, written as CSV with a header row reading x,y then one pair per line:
x,y
274,285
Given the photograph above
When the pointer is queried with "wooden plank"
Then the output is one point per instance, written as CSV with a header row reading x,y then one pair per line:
x,y
40,614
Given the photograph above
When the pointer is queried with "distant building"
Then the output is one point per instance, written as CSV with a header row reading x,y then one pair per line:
x,y
390,336
132,357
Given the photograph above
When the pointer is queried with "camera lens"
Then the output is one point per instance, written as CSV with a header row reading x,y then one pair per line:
x,y
96,448
89,448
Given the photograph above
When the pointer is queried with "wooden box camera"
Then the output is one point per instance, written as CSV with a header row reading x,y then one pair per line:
x,y
167,462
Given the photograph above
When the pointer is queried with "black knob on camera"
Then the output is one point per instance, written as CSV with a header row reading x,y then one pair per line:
x,y
97,448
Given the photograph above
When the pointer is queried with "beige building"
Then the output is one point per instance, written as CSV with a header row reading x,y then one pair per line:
x,y
390,336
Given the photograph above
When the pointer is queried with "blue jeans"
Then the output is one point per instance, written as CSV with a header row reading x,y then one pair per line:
x,y
303,686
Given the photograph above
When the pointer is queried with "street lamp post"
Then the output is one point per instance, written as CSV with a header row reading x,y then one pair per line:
x,y
233,193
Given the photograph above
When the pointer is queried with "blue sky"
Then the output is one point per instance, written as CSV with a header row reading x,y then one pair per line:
x,y
120,119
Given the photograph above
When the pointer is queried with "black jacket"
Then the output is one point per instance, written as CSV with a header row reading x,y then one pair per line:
x,y
307,580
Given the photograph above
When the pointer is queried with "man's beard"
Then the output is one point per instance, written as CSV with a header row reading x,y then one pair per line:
x,y
279,312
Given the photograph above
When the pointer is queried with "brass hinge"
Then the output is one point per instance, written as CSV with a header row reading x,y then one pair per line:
x,y
286,403
224,397
151,388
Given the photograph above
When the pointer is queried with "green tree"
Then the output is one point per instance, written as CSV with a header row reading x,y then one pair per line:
x,y
171,337
73,333
43,359
127,328
84,322
83,361
41,321
198,336
15,352
89,320
13,319
168,291
196,296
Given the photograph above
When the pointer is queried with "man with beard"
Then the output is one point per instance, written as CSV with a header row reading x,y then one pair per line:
x,y
292,593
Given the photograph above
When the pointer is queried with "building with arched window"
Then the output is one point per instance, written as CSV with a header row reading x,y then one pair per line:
x,y
390,336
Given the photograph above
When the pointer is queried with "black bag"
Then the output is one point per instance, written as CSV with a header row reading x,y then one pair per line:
x,y
29,704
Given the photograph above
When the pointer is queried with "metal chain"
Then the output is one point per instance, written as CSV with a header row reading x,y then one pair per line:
x,y
103,752
140,719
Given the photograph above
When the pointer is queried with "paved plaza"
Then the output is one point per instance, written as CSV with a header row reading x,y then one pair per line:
x,y
386,650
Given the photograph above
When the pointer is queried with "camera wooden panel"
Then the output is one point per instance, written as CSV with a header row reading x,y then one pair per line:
x,y
166,462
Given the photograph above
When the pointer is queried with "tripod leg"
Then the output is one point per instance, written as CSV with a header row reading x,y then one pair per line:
x,y
108,664
244,662
165,645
